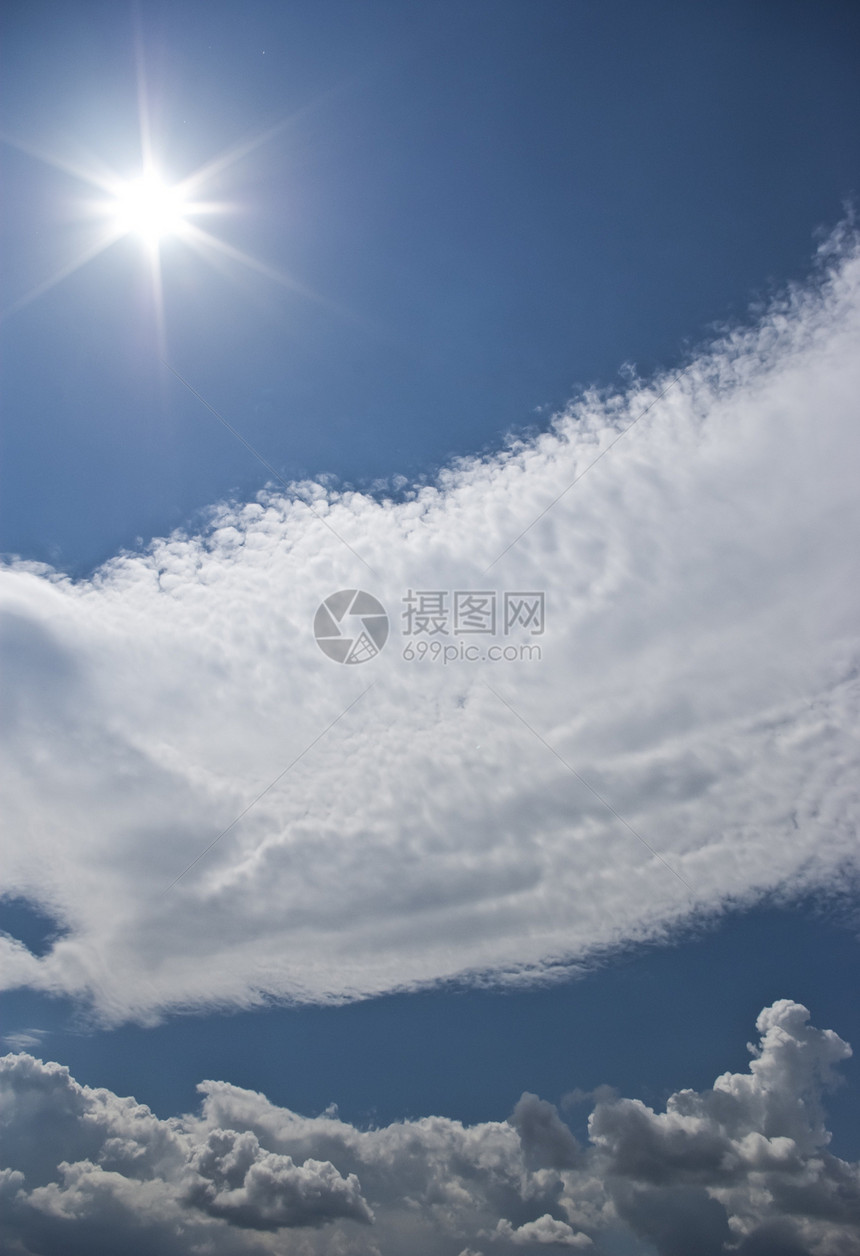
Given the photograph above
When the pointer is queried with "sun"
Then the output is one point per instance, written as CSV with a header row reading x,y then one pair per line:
x,y
149,208
152,208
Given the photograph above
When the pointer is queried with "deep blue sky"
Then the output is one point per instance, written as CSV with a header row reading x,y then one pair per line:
x,y
649,1021
495,203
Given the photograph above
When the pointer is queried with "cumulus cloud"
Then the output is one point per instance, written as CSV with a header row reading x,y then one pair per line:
x,y
748,1158
741,1168
546,1230
687,737
547,1141
264,1191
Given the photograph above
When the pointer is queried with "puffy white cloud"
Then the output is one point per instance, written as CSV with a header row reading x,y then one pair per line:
x,y
699,678
745,1161
546,1230
741,1168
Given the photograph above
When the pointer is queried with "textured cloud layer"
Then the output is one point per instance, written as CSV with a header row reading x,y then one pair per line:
x,y
742,1168
687,736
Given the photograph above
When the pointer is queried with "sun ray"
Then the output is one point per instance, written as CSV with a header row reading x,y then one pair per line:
x,y
203,241
205,173
158,302
208,171
151,207
104,180
142,97
63,273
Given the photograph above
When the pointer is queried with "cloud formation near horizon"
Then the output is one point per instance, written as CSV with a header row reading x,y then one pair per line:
x,y
742,1168
687,738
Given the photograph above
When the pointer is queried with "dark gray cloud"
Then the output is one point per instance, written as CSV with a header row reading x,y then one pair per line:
x,y
743,1161
248,1186
547,1142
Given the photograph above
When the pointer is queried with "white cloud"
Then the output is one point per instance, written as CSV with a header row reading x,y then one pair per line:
x,y
24,1040
741,1168
699,672
545,1231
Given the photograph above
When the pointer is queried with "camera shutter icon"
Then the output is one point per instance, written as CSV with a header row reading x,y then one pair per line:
x,y
351,626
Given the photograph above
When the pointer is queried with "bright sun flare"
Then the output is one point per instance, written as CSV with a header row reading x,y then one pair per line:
x,y
152,209
149,208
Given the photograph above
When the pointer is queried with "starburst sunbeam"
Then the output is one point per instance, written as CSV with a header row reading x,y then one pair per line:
x,y
104,242
152,207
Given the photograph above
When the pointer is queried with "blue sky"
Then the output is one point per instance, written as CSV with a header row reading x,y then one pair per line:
x,y
494,203
544,299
